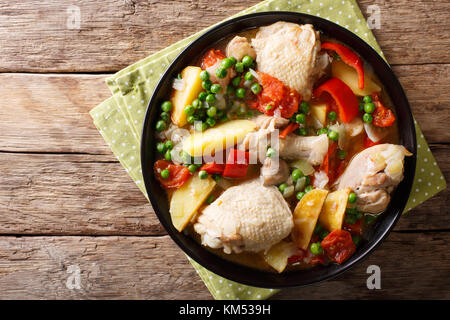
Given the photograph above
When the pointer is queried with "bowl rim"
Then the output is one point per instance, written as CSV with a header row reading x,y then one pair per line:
x,y
268,279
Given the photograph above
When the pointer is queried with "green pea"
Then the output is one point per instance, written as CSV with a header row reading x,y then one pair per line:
x,y
230,90
351,211
206,85
322,131
249,76
300,118
333,135
342,154
191,119
211,112
202,174
302,131
233,60
270,152
239,67
168,155
215,88
161,125
268,107
297,174
332,116
165,116
226,63
210,199
300,195
196,103
210,98
201,126
256,88
282,186
361,107
240,93
304,106
352,197
316,248
221,72
247,61
161,147
169,145
356,239
236,81
367,117
202,96
309,188
166,106
211,122
192,168
307,180
219,114
367,99
165,173
369,107
204,75
189,110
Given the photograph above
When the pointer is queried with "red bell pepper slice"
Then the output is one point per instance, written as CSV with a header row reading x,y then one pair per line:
x,y
348,57
213,168
178,175
237,164
382,116
344,97
290,128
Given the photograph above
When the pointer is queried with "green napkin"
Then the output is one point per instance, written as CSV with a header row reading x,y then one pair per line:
x,y
120,118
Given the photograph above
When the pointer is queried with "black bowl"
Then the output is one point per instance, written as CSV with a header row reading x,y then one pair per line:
x,y
240,273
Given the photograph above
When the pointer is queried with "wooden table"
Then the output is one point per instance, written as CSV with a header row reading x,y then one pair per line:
x,y
67,205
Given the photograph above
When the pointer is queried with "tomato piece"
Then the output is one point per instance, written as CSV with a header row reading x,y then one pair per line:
x,y
382,116
211,57
338,245
298,256
213,168
344,97
367,143
178,175
290,128
355,228
237,164
275,95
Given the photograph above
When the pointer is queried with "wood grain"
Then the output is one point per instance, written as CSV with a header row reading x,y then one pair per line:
x,y
154,268
34,36
70,194
49,112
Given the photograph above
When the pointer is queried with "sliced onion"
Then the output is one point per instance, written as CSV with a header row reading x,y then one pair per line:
x,y
288,191
220,104
255,74
179,84
375,134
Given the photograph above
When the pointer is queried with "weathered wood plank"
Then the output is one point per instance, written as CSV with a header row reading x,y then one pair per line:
x,y
71,194
68,194
34,35
154,268
49,113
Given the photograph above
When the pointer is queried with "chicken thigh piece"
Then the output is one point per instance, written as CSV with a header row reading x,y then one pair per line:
x,y
247,217
290,53
373,174
239,47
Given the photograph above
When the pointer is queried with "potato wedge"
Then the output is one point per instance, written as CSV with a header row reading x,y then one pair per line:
x,y
188,198
347,74
306,214
218,138
183,98
319,112
277,256
333,210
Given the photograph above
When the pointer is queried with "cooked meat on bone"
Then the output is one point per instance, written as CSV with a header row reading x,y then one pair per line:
x,y
239,47
274,171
